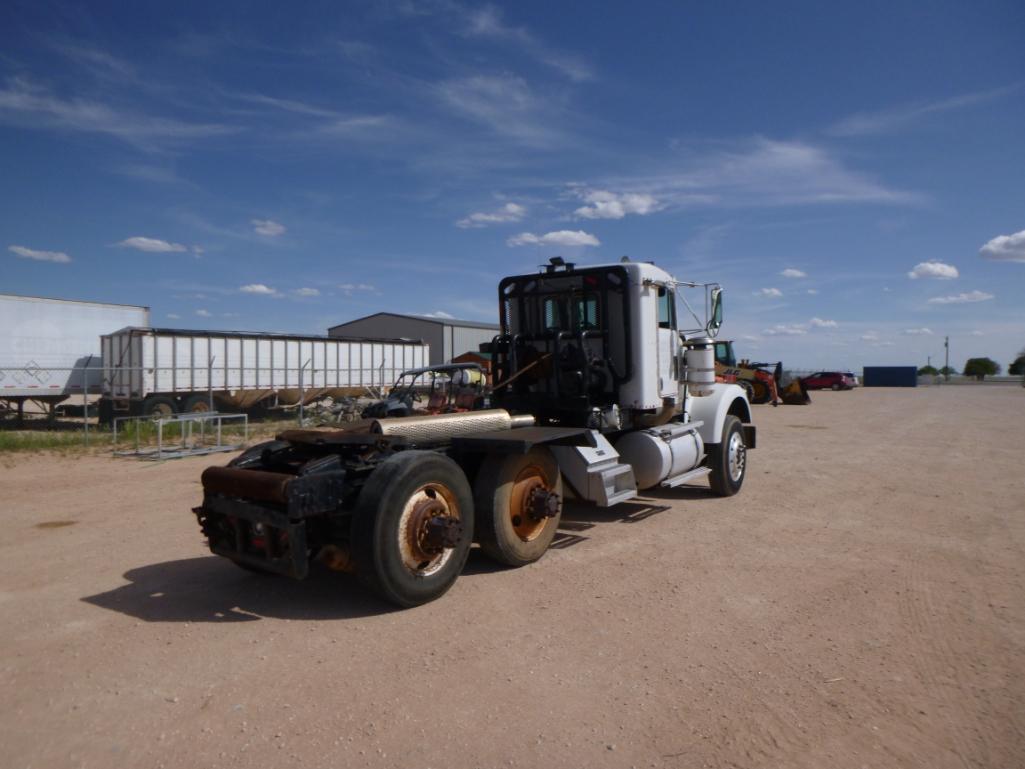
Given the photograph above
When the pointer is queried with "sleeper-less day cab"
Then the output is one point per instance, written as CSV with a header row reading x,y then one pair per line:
x,y
599,391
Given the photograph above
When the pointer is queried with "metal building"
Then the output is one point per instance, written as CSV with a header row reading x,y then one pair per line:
x,y
447,337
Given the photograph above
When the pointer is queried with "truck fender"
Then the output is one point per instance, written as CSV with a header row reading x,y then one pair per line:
x,y
713,409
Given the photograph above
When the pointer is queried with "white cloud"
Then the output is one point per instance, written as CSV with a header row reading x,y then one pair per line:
x,y
764,172
24,102
440,314
820,323
918,331
267,227
505,104
257,288
152,245
977,333
1006,248
487,22
963,298
40,256
813,291
786,329
933,269
559,238
173,316
510,212
751,338
603,204
790,272
870,336
771,292
883,121
198,250
350,288
306,292
203,313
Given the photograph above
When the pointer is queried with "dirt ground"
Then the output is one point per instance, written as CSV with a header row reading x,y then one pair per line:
x,y
861,603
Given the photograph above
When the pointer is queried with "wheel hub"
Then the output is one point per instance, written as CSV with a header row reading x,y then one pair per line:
x,y
542,503
531,504
430,530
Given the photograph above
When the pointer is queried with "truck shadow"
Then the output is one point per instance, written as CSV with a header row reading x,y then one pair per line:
x,y
211,589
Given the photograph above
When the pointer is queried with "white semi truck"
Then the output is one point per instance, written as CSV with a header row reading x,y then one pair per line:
x,y
599,392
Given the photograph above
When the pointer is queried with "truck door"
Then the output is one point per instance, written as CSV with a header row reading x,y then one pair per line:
x,y
668,340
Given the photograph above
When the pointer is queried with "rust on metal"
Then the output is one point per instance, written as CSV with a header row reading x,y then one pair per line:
x,y
531,503
248,484
337,558
325,437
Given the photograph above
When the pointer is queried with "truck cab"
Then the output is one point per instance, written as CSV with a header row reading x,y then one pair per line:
x,y
598,346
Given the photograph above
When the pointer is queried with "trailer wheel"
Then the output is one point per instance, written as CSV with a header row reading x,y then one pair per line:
x,y
518,498
728,459
158,406
413,527
197,404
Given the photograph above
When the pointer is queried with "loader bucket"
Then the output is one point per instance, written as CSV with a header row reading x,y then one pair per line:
x,y
796,394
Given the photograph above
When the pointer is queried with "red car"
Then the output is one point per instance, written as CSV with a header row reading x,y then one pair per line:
x,y
829,380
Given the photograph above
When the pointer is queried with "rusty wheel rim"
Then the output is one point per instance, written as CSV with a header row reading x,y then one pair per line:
x,y
200,407
426,503
527,527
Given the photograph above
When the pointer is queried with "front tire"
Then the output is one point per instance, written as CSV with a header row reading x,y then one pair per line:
x,y
728,459
519,505
413,527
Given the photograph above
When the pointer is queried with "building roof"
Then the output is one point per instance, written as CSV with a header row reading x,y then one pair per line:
x,y
74,301
423,319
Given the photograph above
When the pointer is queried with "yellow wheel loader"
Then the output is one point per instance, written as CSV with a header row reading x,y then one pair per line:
x,y
761,385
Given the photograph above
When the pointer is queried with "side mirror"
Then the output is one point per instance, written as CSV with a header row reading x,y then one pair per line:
x,y
716,319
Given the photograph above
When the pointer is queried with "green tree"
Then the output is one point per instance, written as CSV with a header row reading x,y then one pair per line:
x,y
928,371
981,367
948,371
1018,366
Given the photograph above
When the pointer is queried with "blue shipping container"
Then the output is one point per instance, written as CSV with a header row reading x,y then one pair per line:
x,y
890,376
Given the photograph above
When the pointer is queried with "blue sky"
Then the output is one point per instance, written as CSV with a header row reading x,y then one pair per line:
x,y
852,174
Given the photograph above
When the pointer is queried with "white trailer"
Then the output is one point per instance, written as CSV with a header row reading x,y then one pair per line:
x,y
165,371
45,344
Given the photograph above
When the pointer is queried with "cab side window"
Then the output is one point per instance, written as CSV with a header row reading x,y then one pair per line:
x,y
666,308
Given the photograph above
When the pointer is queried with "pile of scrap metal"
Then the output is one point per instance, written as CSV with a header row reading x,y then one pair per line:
x,y
443,389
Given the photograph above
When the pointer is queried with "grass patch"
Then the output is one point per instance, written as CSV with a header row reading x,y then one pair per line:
x,y
44,440
70,439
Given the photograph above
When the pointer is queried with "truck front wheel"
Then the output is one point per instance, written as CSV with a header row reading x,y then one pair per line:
x,y
728,459
519,504
413,527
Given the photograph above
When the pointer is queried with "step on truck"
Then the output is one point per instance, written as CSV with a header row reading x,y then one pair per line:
x,y
600,391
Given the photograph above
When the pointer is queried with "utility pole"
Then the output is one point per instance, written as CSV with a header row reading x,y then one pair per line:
x,y
946,358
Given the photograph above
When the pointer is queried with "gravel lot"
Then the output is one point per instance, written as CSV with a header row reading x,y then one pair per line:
x,y
860,603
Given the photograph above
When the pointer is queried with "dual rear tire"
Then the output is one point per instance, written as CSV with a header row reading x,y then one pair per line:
x,y
414,521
